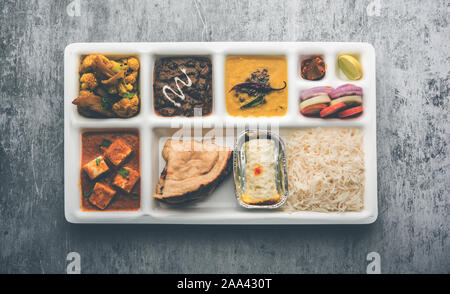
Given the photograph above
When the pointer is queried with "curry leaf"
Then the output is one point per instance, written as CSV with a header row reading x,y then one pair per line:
x,y
87,194
123,172
128,95
105,102
258,100
105,143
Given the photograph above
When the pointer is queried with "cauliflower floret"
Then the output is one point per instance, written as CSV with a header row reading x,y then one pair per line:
x,y
88,81
131,78
126,107
125,88
133,64
88,61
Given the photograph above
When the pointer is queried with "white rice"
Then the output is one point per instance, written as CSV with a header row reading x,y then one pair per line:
x,y
325,168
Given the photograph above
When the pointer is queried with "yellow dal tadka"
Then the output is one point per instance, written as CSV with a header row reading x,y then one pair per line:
x,y
239,68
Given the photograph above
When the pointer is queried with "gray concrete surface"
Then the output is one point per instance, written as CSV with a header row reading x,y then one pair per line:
x,y
411,235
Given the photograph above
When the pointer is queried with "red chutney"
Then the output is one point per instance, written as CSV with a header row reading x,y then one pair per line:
x,y
92,146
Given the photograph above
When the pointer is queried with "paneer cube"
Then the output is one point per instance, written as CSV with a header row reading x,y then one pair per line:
x,y
117,152
101,195
96,167
126,178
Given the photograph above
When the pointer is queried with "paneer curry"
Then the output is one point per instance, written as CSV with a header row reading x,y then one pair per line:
x,y
110,171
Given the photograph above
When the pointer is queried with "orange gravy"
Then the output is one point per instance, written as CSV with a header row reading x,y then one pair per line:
x,y
91,149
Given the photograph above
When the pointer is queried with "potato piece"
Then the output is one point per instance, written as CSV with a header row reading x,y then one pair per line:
x,y
96,167
133,63
88,61
90,102
117,152
126,178
102,195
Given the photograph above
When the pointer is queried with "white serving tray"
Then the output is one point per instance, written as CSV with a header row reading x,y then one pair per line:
x,y
221,207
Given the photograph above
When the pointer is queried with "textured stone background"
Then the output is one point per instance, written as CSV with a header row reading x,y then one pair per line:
x,y
411,39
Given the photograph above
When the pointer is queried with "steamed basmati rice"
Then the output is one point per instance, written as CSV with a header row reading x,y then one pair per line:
x,y
325,168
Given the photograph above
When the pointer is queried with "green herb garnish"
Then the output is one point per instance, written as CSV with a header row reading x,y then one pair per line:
x,y
123,172
98,161
87,194
105,102
257,86
105,143
128,95
258,100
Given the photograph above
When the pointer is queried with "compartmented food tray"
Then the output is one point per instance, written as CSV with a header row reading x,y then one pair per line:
x,y
155,123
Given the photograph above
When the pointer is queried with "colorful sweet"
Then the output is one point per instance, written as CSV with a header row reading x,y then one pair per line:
x,y
256,85
313,109
348,100
325,101
332,109
313,69
316,91
350,112
345,90
350,66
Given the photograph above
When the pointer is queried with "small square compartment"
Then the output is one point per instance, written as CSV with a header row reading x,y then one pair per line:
x,y
307,56
220,202
241,176
304,88
333,118
338,71
114,56
241,67
174,84
93,143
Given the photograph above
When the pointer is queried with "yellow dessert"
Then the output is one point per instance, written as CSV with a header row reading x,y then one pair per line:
x,y
260,172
